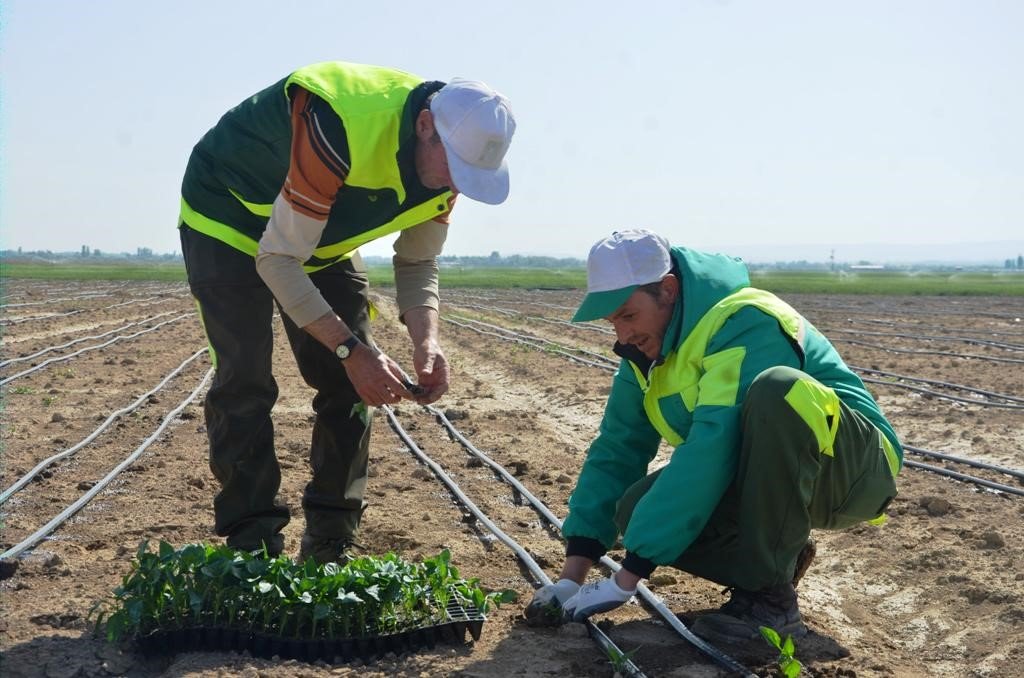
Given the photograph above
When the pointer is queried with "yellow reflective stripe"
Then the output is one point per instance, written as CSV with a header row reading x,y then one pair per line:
x,y
815,403
216,229
890,454
721,381
411,217
372,309
209,346
879,520
255,208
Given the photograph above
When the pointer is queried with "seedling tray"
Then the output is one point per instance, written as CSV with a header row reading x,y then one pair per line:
x,y
461,620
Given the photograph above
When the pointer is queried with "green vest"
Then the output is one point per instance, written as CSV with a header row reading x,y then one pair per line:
x,y
683,373
374,202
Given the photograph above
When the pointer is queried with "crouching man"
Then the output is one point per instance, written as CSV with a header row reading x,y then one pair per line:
x,y
773,435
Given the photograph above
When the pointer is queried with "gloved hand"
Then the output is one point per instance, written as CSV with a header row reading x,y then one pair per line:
x,y
546,607
598,596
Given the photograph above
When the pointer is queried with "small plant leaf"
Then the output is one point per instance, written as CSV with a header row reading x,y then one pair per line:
x,y
772,636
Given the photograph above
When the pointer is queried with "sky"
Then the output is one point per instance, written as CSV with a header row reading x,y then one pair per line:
x,y
730,125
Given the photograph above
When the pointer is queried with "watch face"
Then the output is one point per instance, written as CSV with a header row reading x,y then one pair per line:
x,y
342,351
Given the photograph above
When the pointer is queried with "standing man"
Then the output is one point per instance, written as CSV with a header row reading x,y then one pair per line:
x,y
275,200
772,434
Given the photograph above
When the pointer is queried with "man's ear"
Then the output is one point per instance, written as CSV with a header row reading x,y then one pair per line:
x,y
670,288
425,124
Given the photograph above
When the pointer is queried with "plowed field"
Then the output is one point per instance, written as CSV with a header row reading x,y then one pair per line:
x,y
937,591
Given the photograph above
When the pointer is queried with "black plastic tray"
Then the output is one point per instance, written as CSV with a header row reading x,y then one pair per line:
x,y
216,638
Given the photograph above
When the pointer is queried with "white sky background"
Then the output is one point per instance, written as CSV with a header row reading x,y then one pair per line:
x,y
719,124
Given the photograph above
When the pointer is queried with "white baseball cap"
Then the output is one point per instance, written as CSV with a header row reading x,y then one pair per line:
x,y
617,265
476,125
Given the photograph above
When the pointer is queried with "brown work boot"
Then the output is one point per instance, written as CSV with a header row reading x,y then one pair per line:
x,y
804,560
741,618
325,549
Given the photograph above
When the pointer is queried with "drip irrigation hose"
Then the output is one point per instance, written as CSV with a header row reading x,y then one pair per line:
x,y
942,396
27,478
972,356
964,477
1019,475
932,337
542,340
936,382
606,643
59,519
62,358
527,343
709,650
21,359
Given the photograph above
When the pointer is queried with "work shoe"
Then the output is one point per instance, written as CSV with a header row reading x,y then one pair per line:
x,y
325,549
804,560
742,617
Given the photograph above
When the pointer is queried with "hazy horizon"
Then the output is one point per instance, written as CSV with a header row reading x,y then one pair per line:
x,y
718,123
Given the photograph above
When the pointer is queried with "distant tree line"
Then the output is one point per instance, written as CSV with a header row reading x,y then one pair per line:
x,y
86,255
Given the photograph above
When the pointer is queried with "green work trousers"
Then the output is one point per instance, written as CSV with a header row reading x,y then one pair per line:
x,y
237,312
784,486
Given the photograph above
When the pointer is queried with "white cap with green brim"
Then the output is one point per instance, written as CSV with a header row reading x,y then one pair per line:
x,y
617,265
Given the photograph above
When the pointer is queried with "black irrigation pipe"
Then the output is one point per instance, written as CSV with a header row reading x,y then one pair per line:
x,y
931,337
542,341
71,510
599,636
527,343
935,382
62,358
942,396
959,476
1019,475
972,356
706,648
18,321
47,302
20,359
902,311
964,477
27,478
935,328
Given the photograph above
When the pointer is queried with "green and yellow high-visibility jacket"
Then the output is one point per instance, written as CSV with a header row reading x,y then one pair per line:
x,y
238,168
722,334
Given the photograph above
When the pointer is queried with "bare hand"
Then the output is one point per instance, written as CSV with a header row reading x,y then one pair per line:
x,y
431,372
375,376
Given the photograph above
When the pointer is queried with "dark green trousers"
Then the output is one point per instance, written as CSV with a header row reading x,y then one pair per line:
x,y
784,486
237,312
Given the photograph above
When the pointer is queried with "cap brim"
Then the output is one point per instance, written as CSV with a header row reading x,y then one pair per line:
x,y
485,185
602,304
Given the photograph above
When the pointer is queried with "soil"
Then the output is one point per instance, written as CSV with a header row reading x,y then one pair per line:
x,y
936,591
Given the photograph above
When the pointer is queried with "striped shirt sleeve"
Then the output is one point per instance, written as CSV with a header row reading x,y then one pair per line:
x,y
317,170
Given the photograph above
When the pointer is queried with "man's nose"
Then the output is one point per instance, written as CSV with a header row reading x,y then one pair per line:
x,y
622,333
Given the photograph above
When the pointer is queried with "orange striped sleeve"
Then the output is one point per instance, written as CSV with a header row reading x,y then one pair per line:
x,y
319,162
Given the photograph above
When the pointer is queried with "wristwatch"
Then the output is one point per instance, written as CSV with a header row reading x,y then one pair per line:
x,y
344,349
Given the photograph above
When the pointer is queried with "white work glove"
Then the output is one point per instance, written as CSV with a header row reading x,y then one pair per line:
x,y
546,607
598,596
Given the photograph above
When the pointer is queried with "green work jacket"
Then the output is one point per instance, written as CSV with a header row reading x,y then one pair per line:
x,y
722,334
237,169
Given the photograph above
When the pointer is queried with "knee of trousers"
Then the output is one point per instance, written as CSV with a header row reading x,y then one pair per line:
x,y
767,393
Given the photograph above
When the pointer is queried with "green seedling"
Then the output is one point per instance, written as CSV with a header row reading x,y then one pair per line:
x,y
22,390
788,664
619,659
201,585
